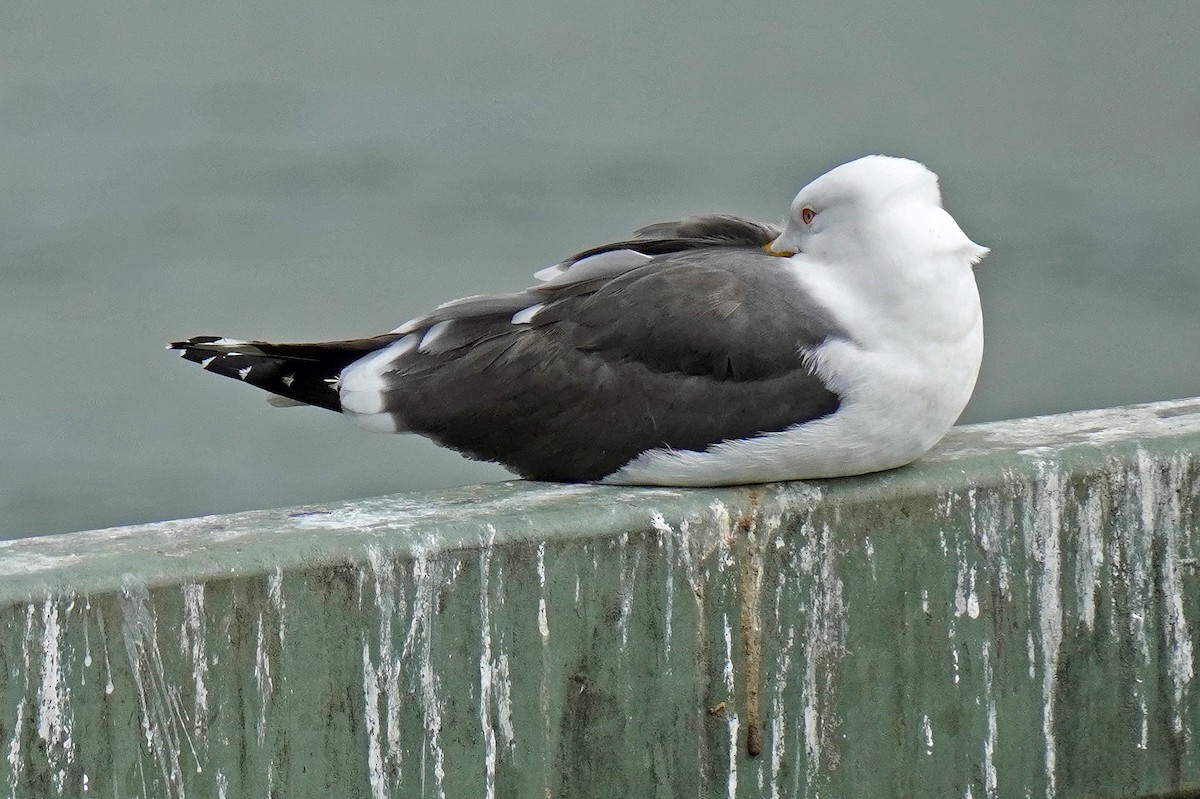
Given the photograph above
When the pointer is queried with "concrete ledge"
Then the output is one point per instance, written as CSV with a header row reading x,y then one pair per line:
x,y
1013,616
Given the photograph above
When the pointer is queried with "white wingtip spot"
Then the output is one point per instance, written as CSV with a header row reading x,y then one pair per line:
x,y
204,364
526,316
432,335
244,372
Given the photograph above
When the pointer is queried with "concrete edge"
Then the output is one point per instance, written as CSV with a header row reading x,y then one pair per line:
x,y
261,542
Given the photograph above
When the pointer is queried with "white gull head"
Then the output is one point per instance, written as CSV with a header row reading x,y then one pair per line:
x,y
872,206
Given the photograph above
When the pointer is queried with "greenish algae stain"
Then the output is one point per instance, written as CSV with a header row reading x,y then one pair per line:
x,y
1014,616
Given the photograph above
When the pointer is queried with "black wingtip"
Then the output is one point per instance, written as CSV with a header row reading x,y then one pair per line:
x,y
297,372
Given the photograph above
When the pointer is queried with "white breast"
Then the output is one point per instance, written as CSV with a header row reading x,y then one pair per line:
x,y
904,380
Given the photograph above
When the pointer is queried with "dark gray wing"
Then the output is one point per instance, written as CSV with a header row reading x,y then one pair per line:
x,y
727,313
691,348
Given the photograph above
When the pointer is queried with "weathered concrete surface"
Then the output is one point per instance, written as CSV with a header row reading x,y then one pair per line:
x,y
1015,616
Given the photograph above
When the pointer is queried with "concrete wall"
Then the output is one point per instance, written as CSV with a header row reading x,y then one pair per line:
x,y
1015,616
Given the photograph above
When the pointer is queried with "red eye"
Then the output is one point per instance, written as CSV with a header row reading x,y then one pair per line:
x,y
807,215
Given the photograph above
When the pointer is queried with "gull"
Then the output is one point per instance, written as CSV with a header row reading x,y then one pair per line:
x,y
711,350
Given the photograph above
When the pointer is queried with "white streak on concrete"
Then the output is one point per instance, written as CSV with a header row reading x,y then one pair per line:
x,y
544,700
263,680
16,763
731,716
87,640
1042,543
1177,637
946,508
927,734
991,526
977,535
666,538
375,773
722,521
192,645
487,673
1144,742
972,596
952,636
543,620
628,578
108,683
55,720
1134,552
390,595
384,696
966,600
275,595
961,588
780,583
824,647
989,742
504,705
427,581
175,705
691,555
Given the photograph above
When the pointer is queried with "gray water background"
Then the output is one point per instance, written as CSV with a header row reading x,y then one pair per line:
x,y
317,170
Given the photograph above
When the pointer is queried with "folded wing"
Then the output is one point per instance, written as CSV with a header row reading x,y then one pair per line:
x,y
684,342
